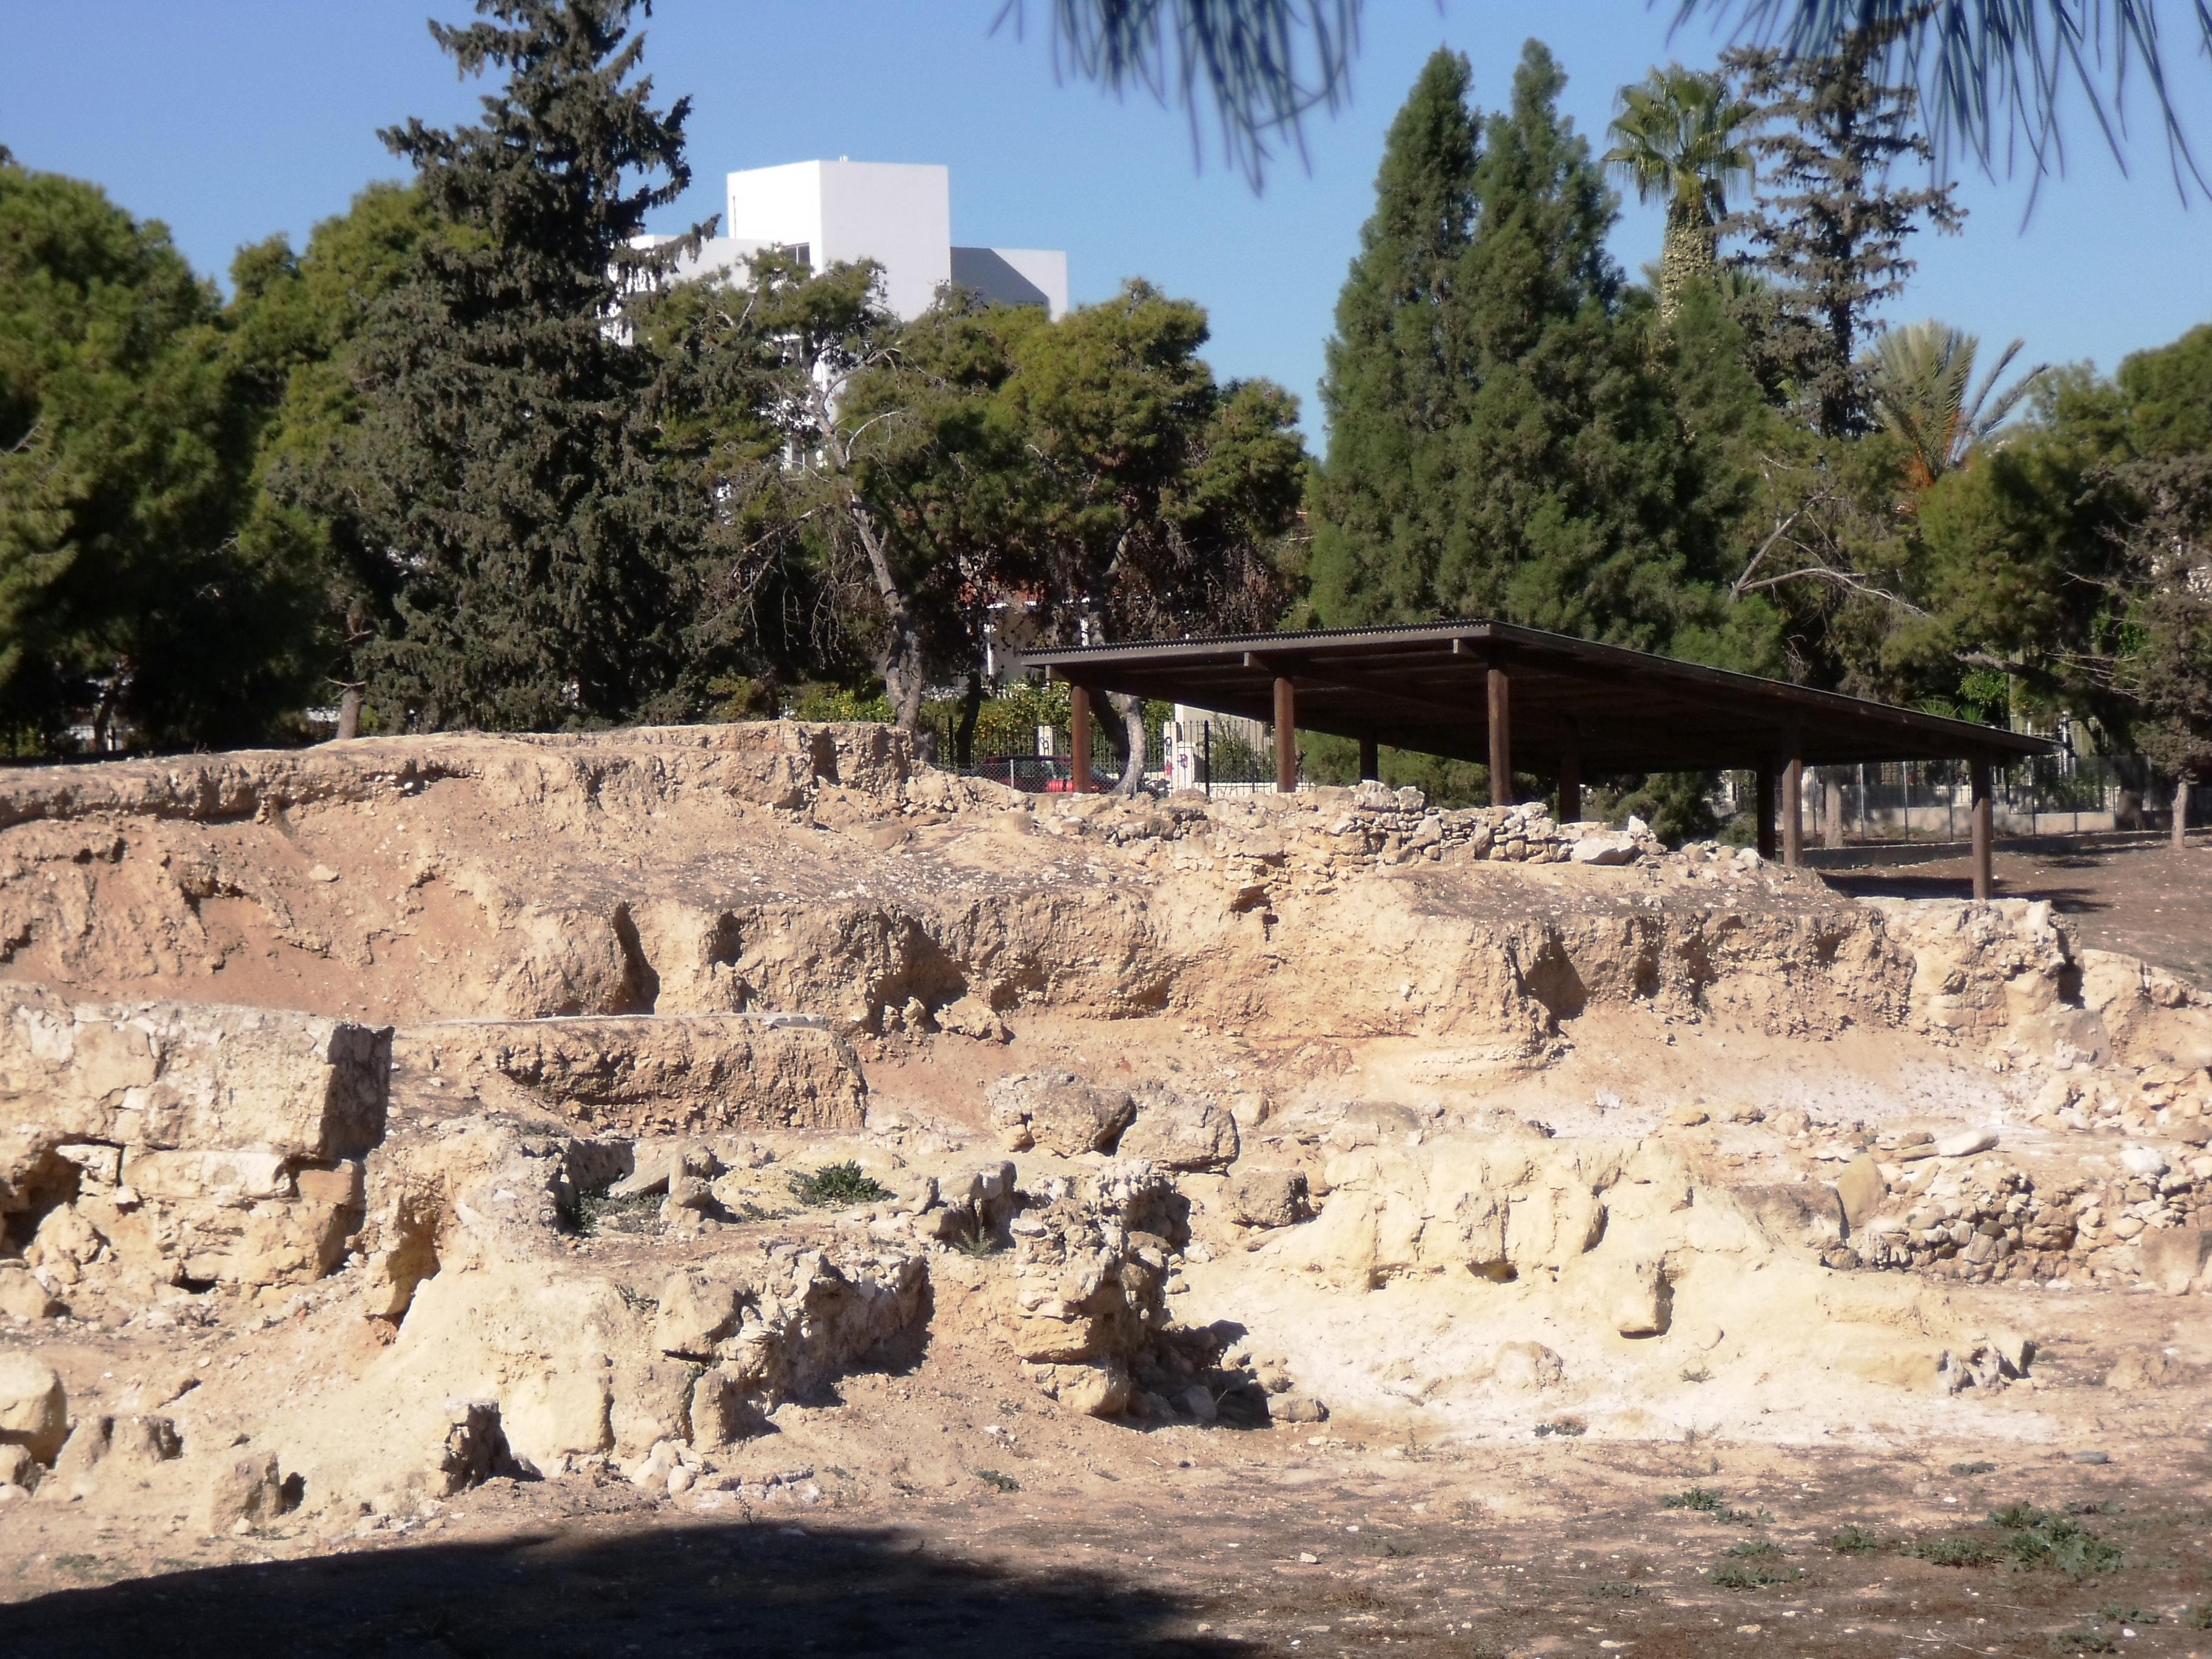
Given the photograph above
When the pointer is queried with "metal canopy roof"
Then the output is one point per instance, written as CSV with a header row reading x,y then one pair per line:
x,y
1425,686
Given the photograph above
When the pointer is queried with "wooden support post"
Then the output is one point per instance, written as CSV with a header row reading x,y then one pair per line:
x,y
1984,874
1832,811
1570,787
1371,760
1793,799
1078,727
1287,737
1766,809
1501,740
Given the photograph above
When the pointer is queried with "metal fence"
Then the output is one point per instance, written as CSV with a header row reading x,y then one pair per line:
x,y
1217,757
1931,800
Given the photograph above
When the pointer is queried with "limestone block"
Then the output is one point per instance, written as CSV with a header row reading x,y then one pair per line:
x,y
21,1295
696,1311
236,1176
1181,1133
1058,1112
1268,1198
2174,1260
33,1409
242,1494
1862,1189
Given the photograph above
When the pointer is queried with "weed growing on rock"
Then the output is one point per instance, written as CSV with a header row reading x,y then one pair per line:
x,y
982,1246
998,1482
838,1185
1569,1426
1853,1540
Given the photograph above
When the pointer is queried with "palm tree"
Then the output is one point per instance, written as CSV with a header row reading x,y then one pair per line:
x,y
1680,136
1918,377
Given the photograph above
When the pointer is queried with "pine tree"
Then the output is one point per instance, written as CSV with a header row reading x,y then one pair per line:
x,y
1396,384
1829,226
535,552
126,439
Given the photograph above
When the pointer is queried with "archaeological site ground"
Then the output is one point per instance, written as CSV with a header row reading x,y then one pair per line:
x,y
740,1190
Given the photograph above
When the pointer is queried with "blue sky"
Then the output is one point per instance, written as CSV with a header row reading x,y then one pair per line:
x,y
233,119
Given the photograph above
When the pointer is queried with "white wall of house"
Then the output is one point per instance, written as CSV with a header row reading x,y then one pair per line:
x,y
898,214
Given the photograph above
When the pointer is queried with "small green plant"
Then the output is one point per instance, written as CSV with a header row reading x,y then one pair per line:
x,y
1969,1470
1624,1592
2198,1617
982,1246
2113,1612
632,1213
837,1185
2083,1638
1853,1540
1959,1550
1570,1427
1698,1373
1695,1498
998,1482
1752,1549
2043,1538
1745,1575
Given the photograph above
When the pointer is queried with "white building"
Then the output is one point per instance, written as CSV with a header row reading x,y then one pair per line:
x,y
898,215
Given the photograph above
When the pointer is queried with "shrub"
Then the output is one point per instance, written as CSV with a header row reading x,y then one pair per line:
x,y
998,1482
1853,1540
838,1184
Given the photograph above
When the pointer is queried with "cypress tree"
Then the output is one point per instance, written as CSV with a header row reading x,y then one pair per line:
x,y
506,468
1503,443
1396,386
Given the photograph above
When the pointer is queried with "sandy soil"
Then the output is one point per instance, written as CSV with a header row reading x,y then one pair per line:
x,y
1024,1530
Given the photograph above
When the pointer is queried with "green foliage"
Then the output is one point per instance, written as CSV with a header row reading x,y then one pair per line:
x,y
1830,227
998,1482
1697,1499
1746,1575
127,423
1503,441
530,553
1959,1550
837,1185
1681,137
2038,1538
1853,1540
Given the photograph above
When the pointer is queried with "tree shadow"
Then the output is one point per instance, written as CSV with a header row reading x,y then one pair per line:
x,y
742,1587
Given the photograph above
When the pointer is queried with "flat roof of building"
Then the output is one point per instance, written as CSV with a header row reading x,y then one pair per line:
x,y
1425,686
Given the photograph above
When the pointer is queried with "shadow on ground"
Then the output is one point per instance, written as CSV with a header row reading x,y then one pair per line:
x,y
743,1588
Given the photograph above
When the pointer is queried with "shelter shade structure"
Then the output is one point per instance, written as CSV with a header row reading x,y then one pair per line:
x,y
1519,698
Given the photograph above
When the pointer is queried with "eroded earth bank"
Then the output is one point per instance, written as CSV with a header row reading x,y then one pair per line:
x,y
737,1189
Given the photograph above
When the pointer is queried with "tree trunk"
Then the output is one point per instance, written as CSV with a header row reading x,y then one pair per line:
x,y
349,702
1132,711
900,661
971,710
2181,782
1689,252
